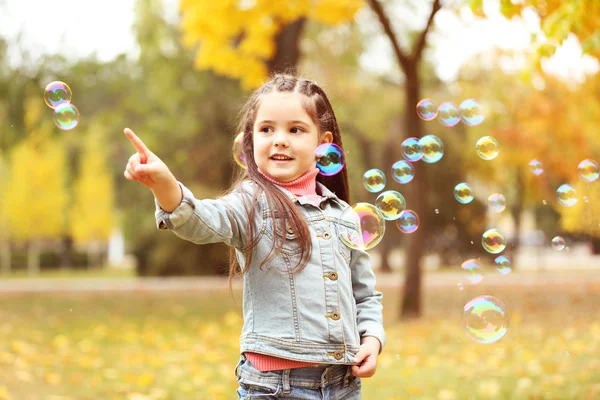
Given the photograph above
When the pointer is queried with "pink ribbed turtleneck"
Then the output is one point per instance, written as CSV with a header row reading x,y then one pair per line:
x,y
304,186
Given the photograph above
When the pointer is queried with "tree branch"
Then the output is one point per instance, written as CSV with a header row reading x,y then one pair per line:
x,y
420,44
385,23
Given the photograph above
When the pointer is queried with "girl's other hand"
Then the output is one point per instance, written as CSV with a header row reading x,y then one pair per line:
x,y
144,166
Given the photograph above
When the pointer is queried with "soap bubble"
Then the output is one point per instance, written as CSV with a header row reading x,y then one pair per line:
x,y
588,170
374,180
558,243
426,110
433,148
369,226
463,193
403,171
408,222
487,148
238,153
496,202
502,264
56,94
535,166
485,319
492,241
411,149
566,195
471,113
391,203
66,116
330,158
472,267
448,114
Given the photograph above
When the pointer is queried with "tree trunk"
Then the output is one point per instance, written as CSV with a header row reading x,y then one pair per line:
x,y
5,256
415,246
516,213
65,252
33,257
287,53
392,236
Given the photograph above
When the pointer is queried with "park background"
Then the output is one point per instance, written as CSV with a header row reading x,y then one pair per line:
x,y
96,303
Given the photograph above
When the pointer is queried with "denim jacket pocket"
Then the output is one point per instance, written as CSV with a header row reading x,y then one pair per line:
x,y
348,238
275,229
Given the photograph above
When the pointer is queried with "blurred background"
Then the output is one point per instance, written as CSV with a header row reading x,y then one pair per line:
x,y
98,303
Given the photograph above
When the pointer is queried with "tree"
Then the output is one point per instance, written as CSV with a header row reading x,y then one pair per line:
x,y
37,198
92,213
257,38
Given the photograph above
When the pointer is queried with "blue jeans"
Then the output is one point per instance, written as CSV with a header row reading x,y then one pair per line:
x,y
335,382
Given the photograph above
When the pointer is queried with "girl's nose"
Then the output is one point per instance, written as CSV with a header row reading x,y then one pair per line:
x,y
280,139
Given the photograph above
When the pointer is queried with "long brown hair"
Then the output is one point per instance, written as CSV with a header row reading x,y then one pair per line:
x,y
283,212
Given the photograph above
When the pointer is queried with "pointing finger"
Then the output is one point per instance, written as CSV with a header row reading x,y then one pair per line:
x,y
137,143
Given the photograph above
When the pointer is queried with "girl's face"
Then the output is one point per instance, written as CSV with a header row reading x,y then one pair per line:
x,y
285,137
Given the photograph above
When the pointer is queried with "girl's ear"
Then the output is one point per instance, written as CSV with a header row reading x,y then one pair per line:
x,y
327,137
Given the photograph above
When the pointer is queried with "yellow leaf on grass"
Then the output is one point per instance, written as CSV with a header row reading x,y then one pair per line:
x,y
4,393
52,379
145,379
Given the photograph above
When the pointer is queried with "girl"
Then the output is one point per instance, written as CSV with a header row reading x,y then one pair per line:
x,y
313,321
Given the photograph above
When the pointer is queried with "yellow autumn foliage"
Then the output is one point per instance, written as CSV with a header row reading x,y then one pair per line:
x,y
92,214
36,197
237,38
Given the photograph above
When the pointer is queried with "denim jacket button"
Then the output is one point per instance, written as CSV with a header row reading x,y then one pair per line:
x,y
335,315
338,355
327,235
333,276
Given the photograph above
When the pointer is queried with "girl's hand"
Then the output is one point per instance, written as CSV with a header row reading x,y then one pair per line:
x,y
366,358
144,166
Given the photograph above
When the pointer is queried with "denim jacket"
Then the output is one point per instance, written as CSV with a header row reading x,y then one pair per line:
x,y
316,315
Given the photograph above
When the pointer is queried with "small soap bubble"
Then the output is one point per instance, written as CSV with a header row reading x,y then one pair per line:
x,y
485,319
433,148
535,166
471,113
426,109
588,170
558,243
463,193
544,202
437,210
66,116
391,203
566,195
56,94
460,286
492,241
237,150
408,221
585,199
448,114
502,264
330,158
369,226
487,148
403,171
497,202
473,271
411,149
374,180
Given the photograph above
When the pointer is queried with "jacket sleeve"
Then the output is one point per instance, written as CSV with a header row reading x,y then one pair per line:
x,y
208,220
368,300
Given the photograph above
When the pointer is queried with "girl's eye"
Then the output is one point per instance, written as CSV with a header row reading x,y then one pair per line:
x,y
297,129
265,127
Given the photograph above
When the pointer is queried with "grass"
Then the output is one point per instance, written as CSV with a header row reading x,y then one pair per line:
x,y
184,345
